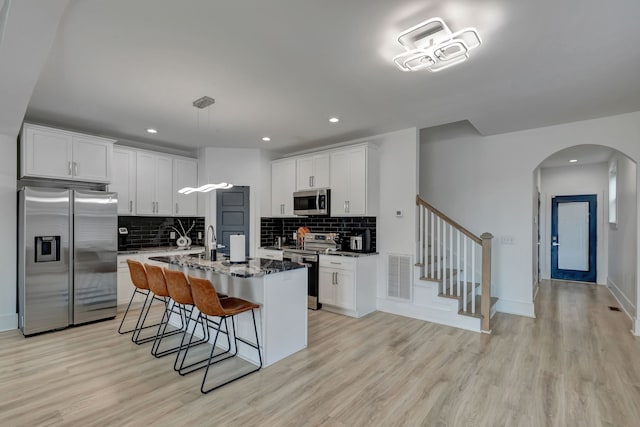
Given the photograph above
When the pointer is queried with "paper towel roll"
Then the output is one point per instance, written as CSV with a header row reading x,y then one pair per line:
x,y
236,251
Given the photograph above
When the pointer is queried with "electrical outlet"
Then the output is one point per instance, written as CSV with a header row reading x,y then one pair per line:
x,y
172,235
507,240
399,213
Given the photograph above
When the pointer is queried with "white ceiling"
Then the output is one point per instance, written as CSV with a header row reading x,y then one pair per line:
x,y
282,68
584,154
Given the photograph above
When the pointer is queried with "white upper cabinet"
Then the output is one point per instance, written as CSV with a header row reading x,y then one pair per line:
x,y
312,171
353,182
59,154
154,184
123,179
185,174
283,184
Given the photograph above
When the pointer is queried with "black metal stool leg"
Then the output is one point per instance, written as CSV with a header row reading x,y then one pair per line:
x,y
236,339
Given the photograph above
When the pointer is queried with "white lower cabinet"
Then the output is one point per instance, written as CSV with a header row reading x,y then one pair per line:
x,y
347,285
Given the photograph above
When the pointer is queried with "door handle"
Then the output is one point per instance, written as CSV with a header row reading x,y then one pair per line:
x,y
555,244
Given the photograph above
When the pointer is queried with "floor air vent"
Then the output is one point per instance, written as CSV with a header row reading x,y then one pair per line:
x,y
612,308
399,276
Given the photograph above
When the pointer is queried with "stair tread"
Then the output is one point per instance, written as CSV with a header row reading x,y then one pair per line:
x,y
454,294
477,314
449,273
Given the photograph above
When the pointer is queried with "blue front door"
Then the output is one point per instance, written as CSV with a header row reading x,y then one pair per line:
x,y
573,238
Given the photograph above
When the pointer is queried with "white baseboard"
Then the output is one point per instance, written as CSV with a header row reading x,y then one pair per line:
x,y
636,328
8,322
627,305
519,308
429,314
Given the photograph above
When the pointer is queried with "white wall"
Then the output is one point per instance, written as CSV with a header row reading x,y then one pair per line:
x,y
622,237
398,155
8,188
574,180
534,230
485,184
242,167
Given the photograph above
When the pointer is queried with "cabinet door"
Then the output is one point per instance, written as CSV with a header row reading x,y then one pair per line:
x,y
47,154
164,185
185,174
91,159
345,290
326,286
283,184
321,168
123,179
339,182
145,183
357,179
304,173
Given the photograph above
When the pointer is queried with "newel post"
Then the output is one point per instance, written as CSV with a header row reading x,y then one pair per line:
x,y
485,302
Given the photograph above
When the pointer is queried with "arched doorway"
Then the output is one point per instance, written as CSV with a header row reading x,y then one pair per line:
x,y
607,232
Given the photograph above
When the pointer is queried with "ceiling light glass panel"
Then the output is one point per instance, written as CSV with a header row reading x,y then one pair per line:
x,y
432,46
451,50
425,34
443,65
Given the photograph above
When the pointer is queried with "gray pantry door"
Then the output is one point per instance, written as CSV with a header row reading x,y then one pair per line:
x,y
232,216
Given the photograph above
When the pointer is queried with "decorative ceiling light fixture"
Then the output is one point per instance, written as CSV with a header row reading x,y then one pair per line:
x,y
334,120
266,139
205,188
432,46
152,130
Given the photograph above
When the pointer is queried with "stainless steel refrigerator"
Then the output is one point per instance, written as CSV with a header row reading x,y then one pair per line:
x,y
67,258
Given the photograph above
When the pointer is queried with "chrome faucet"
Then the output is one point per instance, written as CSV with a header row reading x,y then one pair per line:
x,y
211,244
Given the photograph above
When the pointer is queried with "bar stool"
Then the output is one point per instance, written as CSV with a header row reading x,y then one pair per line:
x,y
180,293
208,303
158,285
141,287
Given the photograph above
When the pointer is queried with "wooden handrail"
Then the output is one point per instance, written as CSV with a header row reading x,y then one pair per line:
x,y
463,230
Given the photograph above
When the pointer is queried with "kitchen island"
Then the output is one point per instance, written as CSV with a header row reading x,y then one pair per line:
x,y
280,287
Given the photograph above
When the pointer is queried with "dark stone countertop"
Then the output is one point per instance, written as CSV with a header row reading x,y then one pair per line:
x,y
254,267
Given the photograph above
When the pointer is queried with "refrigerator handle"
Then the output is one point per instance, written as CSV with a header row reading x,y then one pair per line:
x,y
72,251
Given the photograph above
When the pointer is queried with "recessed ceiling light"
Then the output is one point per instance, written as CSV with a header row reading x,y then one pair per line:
x,y
151,130
334,120
266,139
573,160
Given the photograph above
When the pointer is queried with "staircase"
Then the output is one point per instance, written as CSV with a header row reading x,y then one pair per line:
x,y
456,264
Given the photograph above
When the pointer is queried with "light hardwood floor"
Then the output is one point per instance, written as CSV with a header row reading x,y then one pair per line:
x,y
575,365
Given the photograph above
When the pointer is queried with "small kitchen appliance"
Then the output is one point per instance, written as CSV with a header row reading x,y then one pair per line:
x,y
360,241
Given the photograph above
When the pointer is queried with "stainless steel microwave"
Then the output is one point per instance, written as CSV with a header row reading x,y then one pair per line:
x,y
311,202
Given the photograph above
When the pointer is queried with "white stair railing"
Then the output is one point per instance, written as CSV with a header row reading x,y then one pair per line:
x,y
457,258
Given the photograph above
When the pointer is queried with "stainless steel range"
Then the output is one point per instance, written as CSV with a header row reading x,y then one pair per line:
x,y
314,244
